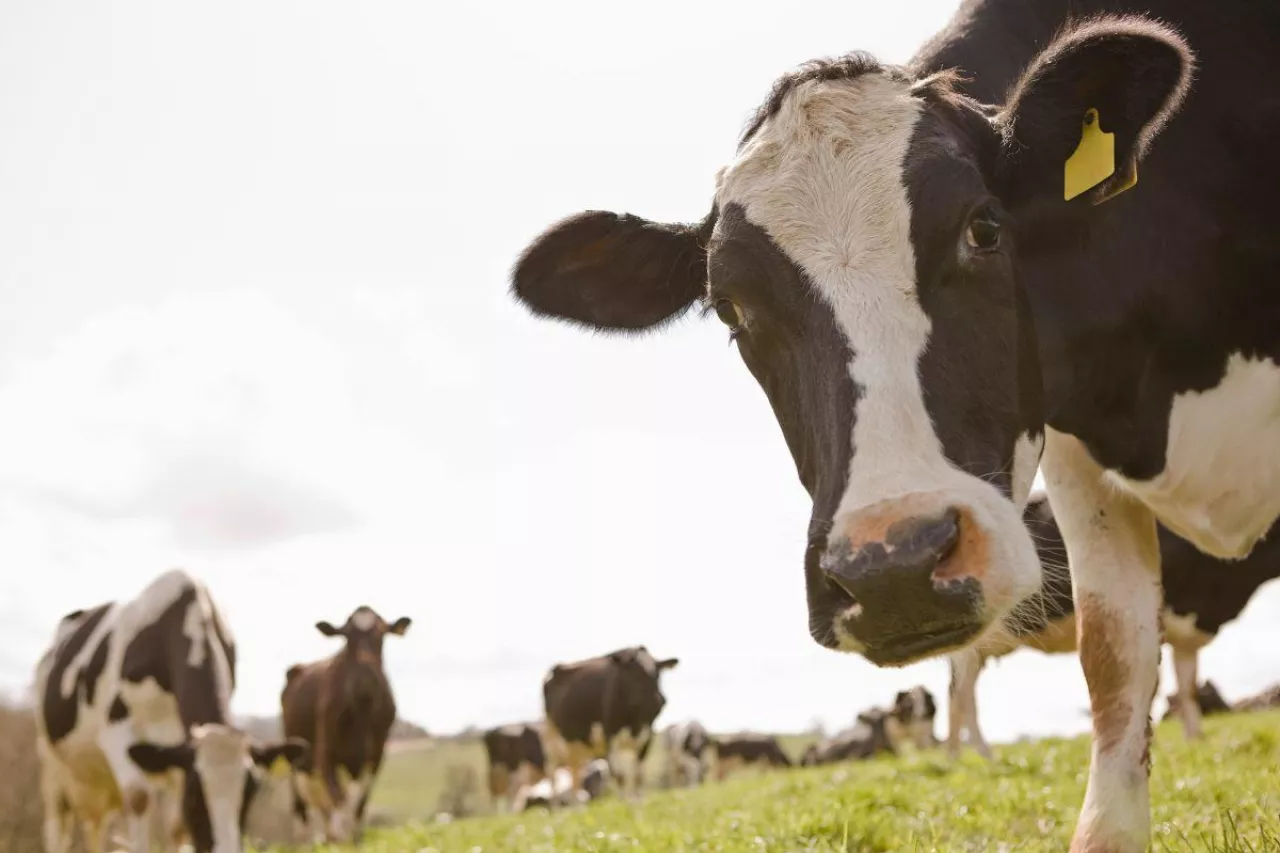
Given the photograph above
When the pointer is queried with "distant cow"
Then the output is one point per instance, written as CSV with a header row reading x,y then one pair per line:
x,y
867,738
343,706
746,750
559,790
604,707
134,702
911,718
1265,700
516,760
687,749
1201,594
1208,699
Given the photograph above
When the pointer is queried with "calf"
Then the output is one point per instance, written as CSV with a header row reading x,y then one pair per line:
x,y
343,706
911,718
1201,595
516,761
687,750
604,707
559,790
133,710
746,750
937,271
868,737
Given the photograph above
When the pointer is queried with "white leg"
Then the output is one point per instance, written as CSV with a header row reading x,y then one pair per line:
x,y
1185,669
1115,569
963,702
135,789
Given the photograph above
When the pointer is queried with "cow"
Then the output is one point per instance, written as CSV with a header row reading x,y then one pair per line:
x,y
558,789
133,715
943,273
734,752
1200,597
344,708
911,718
517,760
687,751
868,737
604,707
1262,701
1207,699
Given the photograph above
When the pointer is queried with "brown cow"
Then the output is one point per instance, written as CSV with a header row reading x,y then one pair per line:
x,y
343,707
604,707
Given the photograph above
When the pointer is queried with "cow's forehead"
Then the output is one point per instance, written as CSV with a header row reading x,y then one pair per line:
x,y
823,176
647,663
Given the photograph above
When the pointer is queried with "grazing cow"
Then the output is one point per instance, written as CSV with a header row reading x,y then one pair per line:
x,y
343,706
868,737
746,750
1208,701
516,761
134,712
604,707
1201,595
911,718
687,750
935,271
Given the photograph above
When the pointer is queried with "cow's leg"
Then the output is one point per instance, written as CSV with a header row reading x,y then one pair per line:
x,y
1115,569
963,700
59,817
136,789
1185,670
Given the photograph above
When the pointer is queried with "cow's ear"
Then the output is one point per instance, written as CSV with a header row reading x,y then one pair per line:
x,y
1124,76
613,272
669,663
154,758
327,629
294,750
400,626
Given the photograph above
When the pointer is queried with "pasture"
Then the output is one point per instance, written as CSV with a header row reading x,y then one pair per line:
x,y
1219,796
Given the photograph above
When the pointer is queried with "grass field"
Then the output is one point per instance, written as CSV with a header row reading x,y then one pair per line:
x,y
1219,796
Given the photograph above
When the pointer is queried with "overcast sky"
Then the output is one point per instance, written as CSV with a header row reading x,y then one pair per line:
x,y
254,322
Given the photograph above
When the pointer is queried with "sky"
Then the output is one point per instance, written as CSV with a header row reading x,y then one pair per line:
x,y
254,323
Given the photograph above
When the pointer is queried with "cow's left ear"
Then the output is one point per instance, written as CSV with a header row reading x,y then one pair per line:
x,y
669,663
400,626
153,758
294,750
1124,76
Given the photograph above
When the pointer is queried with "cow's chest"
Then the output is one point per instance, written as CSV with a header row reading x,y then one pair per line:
x,y
1220,487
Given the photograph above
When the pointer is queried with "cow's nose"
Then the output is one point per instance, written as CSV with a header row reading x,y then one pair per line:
x,y
909,600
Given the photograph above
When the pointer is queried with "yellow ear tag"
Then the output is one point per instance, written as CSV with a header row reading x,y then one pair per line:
x,y
1093,161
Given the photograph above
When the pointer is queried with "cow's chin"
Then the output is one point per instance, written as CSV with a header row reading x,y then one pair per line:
x,y
1011,575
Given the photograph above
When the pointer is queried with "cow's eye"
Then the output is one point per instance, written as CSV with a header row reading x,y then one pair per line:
x,y
983,233
729,313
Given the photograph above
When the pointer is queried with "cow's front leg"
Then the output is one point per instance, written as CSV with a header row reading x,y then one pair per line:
x,y
1115,569
962,700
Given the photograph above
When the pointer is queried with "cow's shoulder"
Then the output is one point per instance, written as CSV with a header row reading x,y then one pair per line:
x,y
70,672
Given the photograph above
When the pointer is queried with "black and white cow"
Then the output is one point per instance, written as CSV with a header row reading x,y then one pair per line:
x,y
1200,597
517,761
687,751
133,702
911,718
934,274
866,738
604,707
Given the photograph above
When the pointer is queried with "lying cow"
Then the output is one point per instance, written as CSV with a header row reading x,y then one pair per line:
x,y
937,271
133,708
604,707
736,752
911,718
687,749
558,790
1208,700
517,761
344,708
1201,595
868,737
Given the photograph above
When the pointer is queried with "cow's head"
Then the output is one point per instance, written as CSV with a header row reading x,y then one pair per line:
x,y
636,676
364,630
868,249
912,714
222,773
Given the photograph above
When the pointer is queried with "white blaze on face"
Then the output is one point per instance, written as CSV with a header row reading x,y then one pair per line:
x,y
221,760
364,619
824,178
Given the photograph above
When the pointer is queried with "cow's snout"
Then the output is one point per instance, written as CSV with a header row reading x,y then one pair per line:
x,y
914,577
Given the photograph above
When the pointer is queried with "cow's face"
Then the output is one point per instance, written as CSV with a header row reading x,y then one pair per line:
x,y
868,249
364,630
221,769
637,678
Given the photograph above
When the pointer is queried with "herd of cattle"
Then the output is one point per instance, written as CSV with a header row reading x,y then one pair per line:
x,y
134,721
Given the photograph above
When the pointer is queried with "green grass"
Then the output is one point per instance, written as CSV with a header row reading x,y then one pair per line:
x,y
1218,796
